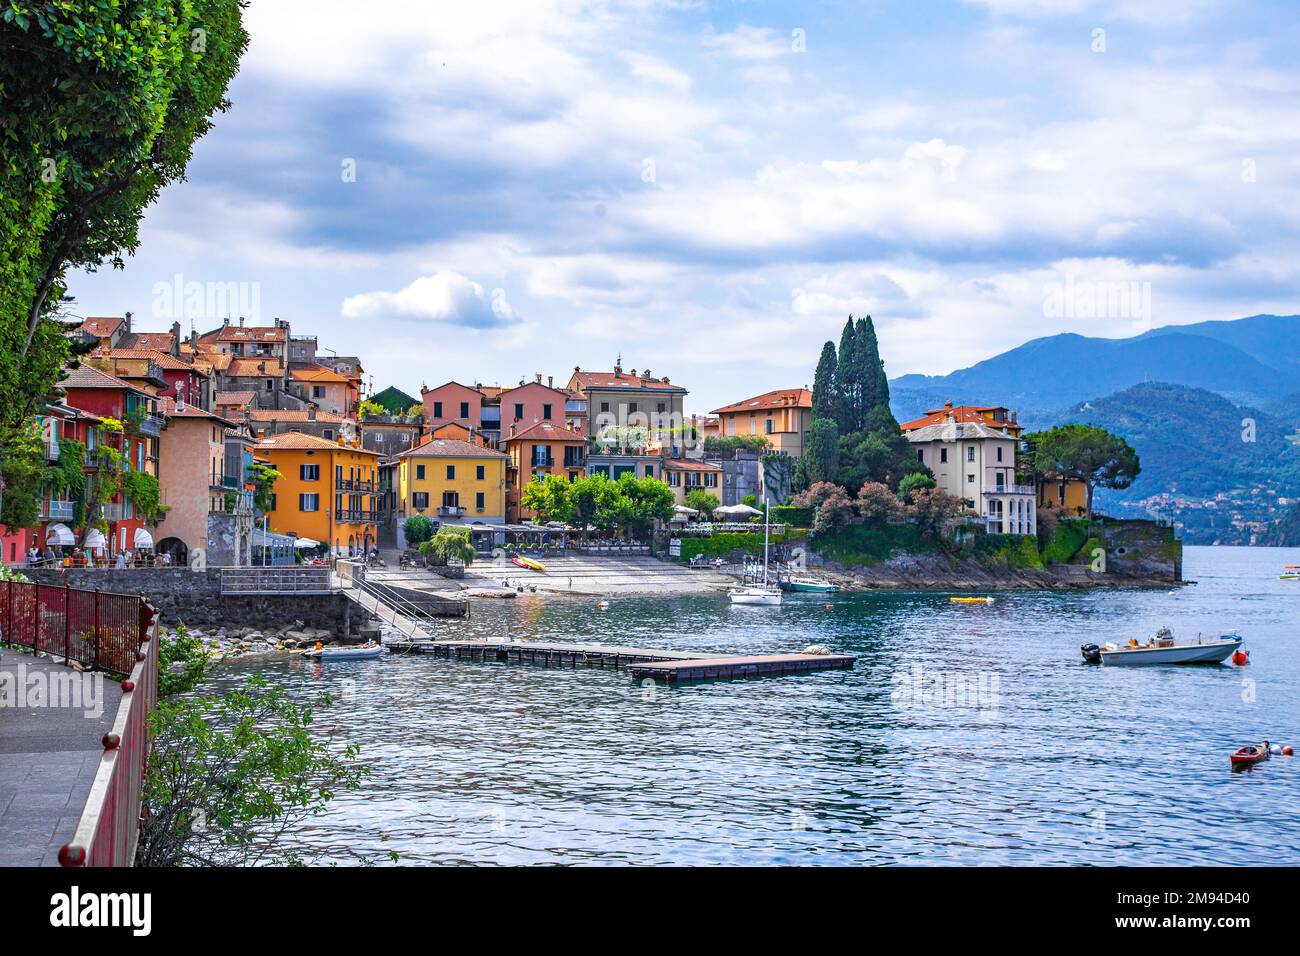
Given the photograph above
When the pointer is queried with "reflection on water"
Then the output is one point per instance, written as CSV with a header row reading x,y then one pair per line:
x,y
966,734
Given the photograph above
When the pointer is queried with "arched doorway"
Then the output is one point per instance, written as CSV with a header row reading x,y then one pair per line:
x,y
176,550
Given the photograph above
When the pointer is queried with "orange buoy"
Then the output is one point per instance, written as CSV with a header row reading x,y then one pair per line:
x,y
830,607
1287,751
1240,657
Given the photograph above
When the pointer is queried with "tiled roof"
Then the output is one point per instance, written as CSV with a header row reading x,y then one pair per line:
x,y
317,373
162,341
101,326
956,431
779,398
292,415
690,464
621,380
301,440
234,398
960,413
86,376
450,448
547,430
172,410
162,358
254,367
247,333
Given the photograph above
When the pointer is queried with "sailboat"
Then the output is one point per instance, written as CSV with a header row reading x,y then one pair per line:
x,y
765,593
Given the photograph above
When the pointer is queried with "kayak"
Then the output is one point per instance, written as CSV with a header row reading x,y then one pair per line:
x,y
361,653
528,563
1249,755
970,600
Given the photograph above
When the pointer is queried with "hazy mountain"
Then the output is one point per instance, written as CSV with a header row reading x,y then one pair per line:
x,y
1254,361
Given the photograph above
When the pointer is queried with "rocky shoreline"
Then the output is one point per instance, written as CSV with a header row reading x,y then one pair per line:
x,y
230,643
939,573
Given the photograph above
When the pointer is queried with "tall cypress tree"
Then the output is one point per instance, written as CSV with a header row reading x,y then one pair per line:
x,y
846,382
824,384
869,367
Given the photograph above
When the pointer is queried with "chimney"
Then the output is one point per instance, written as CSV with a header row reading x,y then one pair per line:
x,y
646,373
241,321
948,403
539,377
176,339
512,430
225,322
550,381
311,413
341,443
261,434
634,373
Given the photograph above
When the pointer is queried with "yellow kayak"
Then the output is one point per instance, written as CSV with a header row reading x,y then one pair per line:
x,y
523,562
970,600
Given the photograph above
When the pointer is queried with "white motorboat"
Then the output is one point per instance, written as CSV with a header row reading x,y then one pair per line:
x,y
1164,649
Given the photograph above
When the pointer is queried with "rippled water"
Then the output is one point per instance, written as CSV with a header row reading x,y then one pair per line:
x,y
1050,761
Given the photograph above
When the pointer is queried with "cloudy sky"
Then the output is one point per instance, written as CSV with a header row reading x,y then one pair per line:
x,y
486,190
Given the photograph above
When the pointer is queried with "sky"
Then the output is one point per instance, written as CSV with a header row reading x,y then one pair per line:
x,y
483,191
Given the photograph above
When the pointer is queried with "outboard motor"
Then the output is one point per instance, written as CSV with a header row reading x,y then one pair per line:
x,y
1091,653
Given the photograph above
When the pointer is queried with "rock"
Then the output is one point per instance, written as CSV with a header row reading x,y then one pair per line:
x,y
819,649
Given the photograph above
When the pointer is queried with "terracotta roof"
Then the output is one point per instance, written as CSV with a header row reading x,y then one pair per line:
x,y
779,398
621,379
317,373
162,341
86,376
450,448
690,464
164,359
234,398
961,413
956,431
253,367
547,430
172,410
101,326
247,333
292,415
301,440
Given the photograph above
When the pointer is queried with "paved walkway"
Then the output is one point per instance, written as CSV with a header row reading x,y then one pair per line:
x,y
52,720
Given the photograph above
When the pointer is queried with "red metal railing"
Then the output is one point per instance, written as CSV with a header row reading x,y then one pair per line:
x,y
109,827
98,629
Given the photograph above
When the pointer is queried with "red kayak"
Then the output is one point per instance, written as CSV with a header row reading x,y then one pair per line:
x,y
1249,755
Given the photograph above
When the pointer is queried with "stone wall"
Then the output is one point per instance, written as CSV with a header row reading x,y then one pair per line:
x,y
194,597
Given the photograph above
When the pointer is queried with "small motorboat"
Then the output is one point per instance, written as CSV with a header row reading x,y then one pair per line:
x,y
1163,649
761,594
359,653
810,585
970,600
1290,573
1252,754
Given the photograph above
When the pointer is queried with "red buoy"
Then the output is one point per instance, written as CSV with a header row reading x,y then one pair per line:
x,y
1287,751
1240,657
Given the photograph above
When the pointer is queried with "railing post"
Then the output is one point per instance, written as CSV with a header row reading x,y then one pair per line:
x,y
67,623
95,658
36,616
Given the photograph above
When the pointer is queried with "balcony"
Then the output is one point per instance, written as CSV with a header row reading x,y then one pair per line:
x,y
231,503
231,481
57,510
348,484
150,425
1013,490
113,511
51,449
543,462
451,511
348,516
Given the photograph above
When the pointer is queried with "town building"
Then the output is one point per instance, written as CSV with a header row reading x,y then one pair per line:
x,y
535,451
454,402
782,416
451,482
685,475
995,416
326,491
630,400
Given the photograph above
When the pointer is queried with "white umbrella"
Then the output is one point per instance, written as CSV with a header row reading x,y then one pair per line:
x,y
59,534
305,544
683,510
736,511
143,539
94,540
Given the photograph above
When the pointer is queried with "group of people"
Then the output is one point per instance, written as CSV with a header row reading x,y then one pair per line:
x,y
79,558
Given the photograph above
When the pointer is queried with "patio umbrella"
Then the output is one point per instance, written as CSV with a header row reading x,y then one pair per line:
x,y
305,544
683,510
94,540
60,534
143,539
736,511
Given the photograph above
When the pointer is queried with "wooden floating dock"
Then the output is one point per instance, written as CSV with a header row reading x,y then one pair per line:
x,y
642,662
765,665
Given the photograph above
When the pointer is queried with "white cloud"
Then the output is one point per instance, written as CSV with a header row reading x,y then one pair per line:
x,y
749,43
444,297
655,70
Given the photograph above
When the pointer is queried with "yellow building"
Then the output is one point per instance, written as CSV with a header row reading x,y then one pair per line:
x,y
327,490
452,482
1068,493
782,417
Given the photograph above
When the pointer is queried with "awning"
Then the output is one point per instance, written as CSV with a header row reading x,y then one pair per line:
x,y
736,511
269,539
305,544
60,534
683,510
143,539
94,540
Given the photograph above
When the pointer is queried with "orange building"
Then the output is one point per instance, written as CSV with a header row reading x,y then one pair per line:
x,y
327,490
781,416
546,448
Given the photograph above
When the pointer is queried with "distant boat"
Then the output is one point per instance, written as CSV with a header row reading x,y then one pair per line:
x,y
1246,756
1163,649
970,600
807,584
1290,573
764,594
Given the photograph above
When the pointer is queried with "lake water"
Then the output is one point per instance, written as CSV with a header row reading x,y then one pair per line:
x,y
1033,758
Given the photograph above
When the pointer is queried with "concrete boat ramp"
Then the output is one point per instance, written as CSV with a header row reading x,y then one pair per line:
x,y
643,663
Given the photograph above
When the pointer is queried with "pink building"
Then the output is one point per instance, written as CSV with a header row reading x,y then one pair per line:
x,y
528,404
453,402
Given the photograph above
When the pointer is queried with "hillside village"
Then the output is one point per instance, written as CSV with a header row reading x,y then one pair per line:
x,y
250,444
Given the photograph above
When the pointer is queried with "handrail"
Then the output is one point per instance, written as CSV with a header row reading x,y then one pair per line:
x,y
385,597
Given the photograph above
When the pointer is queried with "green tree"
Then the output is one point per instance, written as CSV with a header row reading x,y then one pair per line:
x,y
914,482
846,381
183,662
264,478
642,501
550,497
450,544
417,529
824,384
702,501
820,459
1087,453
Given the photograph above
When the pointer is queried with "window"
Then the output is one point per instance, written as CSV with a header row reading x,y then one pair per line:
x,y
710,479
338,474
769,426
451,472
970,452
328,433
604,406
318,391
999,452
451,499
675,479
464,409
437,409
970,479
541,456
480,500
920,455
631,408
309,472
519,411
649,471
420,500
943,455
274,498
546,411
309,502
270,384
419,473
480,472
660,407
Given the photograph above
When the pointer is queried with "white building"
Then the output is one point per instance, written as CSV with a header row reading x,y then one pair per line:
x,y
977,463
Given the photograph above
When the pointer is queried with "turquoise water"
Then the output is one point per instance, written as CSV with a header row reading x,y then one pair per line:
x,y
1033,758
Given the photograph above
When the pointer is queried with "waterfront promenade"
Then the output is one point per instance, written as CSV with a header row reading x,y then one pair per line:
x,y
50,751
